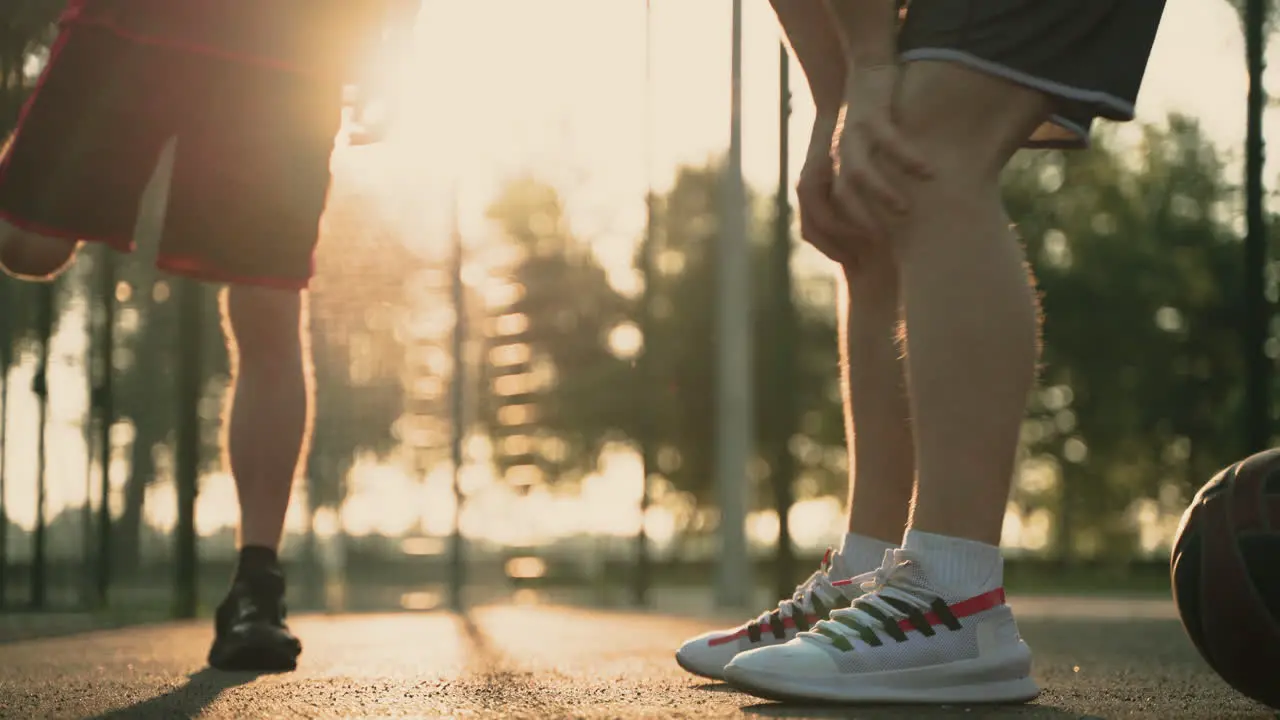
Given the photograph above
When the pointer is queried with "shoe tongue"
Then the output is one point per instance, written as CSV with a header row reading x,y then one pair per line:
x,y
828,560
896,556
839,567
903,569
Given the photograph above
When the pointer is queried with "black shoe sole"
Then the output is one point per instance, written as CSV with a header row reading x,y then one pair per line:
x,y
250,654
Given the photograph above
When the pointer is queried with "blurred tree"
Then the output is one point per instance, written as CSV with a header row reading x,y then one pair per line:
x,y
144,392
145,388
556,390
362,314
1139,269
1257,18
684,348
1269,7
1138,264
26,28
683,326
361,303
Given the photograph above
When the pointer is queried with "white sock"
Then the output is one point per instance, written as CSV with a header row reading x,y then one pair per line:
x,y
859,554
956,567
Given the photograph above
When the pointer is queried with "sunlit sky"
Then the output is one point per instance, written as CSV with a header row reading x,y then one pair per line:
x,y
556,88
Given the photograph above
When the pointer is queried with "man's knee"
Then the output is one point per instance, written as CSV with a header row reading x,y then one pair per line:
x,y
967,123
264,324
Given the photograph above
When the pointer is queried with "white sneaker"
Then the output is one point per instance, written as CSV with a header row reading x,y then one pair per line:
x,y
901,642
707,654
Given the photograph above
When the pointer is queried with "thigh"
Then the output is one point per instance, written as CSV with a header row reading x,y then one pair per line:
x,y
251,175
1087,56
88,139
966,122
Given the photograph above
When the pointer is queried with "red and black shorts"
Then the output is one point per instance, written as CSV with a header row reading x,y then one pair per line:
x,y
1088,55
253,143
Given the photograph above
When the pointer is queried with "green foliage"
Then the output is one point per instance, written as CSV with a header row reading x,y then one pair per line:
x,y
684,350
683,346
1138,269
567,310
146,360
1269,8
555,409
1137,260
26,27
360,302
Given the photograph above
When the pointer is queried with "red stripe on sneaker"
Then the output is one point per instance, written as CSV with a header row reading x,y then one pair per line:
x,y
842,583
787,623
964,608
737,635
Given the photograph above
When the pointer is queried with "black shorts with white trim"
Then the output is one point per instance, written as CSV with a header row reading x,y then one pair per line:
x,y
1089,55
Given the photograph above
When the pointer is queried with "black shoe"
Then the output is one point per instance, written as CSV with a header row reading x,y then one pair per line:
x,y
249,629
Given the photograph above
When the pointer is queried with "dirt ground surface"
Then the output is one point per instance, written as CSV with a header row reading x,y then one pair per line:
x,y
1094,658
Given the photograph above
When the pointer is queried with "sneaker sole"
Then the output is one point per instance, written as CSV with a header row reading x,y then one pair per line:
x,y
247,658
684,664
255,654
959,682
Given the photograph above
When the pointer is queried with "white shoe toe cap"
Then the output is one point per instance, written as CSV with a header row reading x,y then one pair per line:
x,y
701,657
797,657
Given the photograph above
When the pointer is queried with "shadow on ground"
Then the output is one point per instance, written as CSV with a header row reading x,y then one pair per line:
x,y
187,700
536,661
872,712
809,710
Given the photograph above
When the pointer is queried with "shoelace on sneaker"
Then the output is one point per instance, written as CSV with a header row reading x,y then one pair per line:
x,y
879,609
814,597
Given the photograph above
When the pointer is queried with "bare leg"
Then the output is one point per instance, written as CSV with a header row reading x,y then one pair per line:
x,y
269,411
876,415
268,423
971,313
